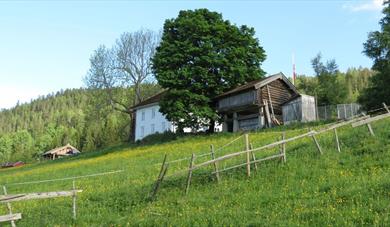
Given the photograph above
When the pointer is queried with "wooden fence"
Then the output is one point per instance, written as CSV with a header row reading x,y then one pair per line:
x,y
249,151
9,198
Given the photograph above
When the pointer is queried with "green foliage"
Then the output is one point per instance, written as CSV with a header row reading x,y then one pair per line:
x,y
81,117
48,122
329,89
377,47
350,188
159,138
344,87
200,56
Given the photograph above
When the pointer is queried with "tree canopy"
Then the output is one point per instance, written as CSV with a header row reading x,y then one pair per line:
x,y
377,47
201,55
329,90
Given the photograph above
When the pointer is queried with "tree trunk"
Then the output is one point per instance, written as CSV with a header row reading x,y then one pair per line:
x,y
131,137
211,126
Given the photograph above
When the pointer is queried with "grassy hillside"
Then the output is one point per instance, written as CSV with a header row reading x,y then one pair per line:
x,y
345,189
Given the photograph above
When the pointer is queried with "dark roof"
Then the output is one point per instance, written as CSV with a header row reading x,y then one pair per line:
x,y
259,83
153,99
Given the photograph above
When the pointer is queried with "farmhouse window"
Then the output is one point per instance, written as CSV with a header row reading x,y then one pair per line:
x,y
152,128
143,115
153,113
142,131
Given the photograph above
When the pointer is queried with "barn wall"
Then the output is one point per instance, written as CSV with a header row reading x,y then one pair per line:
x,y
292,111
279,93
237,100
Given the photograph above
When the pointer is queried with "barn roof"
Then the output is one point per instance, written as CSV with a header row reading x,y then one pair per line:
x,y
152,99
58,149
255,84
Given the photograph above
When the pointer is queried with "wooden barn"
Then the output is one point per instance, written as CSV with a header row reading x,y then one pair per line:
x,y
256,104
59,152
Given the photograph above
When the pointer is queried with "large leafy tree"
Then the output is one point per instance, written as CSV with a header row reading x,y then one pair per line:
x,y
201,55
329,90
377,47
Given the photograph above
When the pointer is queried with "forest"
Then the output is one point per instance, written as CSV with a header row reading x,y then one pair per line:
x,y
80,117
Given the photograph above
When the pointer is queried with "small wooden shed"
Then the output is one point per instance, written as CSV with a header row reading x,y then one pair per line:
x,y
67,150
301,108
256,104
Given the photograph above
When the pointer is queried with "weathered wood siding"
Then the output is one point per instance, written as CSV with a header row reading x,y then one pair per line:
x,y
249,124
279,93
237,100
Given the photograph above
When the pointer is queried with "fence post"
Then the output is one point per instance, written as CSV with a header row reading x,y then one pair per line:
x,y
215,163
74,200
345,111
190,173
316,106
253,155
369,127
284,147
248,159
316,142
387,108
160,177
326,117
9,207
337,140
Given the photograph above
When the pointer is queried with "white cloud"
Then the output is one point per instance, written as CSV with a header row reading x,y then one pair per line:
x,y
367,5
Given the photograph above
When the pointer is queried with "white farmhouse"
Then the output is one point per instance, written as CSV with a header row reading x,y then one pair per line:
x,y
148,119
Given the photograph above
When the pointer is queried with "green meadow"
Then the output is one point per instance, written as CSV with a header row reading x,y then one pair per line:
x,y
351,188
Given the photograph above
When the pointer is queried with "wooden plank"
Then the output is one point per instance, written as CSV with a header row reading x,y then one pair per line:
x,y
284,147
160,176
10,217
253,155
252,162
370,129
248,159
9,207
370,119
268,117
190,169
386,107
39,195
341,124
337,140
74,200
255,149
159,181
215,163
317,144
270,101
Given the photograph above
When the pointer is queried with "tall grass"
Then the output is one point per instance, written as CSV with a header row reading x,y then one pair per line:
x,y
345,189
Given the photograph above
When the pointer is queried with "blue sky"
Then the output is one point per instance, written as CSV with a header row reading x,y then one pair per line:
x,y
45,46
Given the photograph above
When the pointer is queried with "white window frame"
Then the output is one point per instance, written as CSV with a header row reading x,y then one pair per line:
x,y
143,115
153,113
142,131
